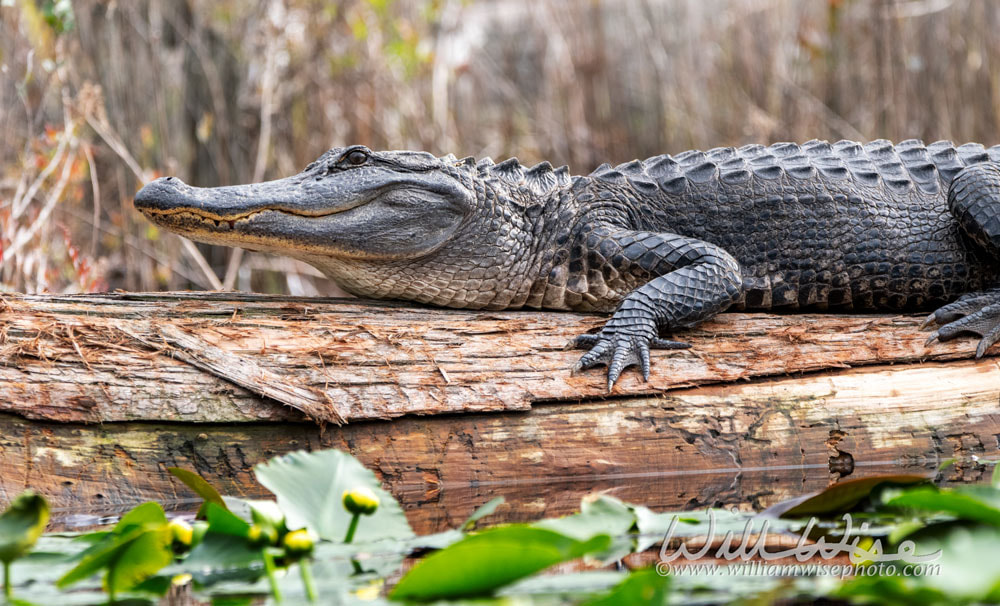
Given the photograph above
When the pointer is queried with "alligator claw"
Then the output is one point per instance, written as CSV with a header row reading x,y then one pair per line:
x,y
976,313
618,352
931,319
644,360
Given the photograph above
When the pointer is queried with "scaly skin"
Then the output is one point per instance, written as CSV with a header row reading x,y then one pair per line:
x,y
664,243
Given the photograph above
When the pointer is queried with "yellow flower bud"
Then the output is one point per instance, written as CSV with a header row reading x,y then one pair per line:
x,y
299,543
180,579
262,535
181,532
361,500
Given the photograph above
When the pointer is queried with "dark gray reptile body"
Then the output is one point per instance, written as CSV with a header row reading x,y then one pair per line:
x,y
663,243
818,226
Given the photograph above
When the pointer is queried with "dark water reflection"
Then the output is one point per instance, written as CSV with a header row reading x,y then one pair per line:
x,y
444,506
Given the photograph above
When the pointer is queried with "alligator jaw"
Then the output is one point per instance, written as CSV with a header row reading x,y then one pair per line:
x,y
375,214
170,196
232,216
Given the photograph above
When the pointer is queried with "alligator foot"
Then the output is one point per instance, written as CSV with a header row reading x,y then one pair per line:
x,y
977,313
619,351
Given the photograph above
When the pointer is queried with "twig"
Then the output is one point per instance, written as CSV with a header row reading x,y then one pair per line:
x,y
96,189
134,244
263,145
203,265
116,145
21,201
50,203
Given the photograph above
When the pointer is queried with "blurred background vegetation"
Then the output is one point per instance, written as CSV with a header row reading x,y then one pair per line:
x,y
98,96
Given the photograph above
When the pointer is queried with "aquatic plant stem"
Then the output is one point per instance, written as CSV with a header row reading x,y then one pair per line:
x,y
7,590
350,537
270,568
352,528
307,579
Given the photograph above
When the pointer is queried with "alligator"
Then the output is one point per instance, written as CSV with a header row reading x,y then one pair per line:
x,y
662,243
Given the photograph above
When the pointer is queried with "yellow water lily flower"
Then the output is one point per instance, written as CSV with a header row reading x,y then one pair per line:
x,y
181,532
360,500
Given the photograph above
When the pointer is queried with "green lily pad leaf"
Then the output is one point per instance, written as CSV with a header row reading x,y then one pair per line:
x,y
310,486
889,590
135,549
840,497
598,515
223,521
21,525
968,503
128,558
486,509
221,557
570,584
97,557
147,514
967,570
139,559
484,562
200,486
642,587
653,526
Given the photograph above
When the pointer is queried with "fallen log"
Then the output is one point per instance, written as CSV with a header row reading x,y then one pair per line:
x,y
100,393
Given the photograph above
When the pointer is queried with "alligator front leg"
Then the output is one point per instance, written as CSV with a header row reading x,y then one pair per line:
x,y
694,280
974,199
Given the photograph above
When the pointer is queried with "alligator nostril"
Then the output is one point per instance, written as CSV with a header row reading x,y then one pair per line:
x,y
169,179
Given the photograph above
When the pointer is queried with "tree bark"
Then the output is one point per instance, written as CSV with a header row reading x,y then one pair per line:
x,y
101,393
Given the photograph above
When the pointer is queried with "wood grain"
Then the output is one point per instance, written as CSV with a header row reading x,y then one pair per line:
x,y
79,358
101,393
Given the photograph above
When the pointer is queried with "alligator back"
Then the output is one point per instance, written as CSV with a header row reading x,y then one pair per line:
x,y
820,225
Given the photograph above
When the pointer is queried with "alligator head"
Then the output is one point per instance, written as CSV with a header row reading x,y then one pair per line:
x,y
395,224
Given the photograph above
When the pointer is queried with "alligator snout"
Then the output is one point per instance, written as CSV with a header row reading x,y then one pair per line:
x,y
163,194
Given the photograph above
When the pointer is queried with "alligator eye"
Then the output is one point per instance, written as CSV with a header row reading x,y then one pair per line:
x,y
357,158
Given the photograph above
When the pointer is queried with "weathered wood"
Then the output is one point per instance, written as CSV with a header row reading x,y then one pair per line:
x,y
79,358
96,407
751,447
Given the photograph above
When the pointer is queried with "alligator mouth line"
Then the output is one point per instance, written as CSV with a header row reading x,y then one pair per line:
x,y
230,220
200,214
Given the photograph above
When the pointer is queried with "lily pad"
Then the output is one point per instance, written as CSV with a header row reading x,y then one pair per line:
x,y
21,525
839,497
484,562
969,503
200,486
137,547
309,487
642,587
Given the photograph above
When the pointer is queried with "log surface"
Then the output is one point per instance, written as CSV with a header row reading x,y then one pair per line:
x,y
223,357
99,394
